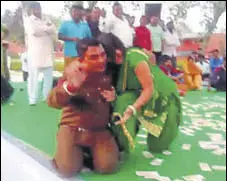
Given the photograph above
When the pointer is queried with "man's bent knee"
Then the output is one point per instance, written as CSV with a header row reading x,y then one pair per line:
x,y
107,168
66,170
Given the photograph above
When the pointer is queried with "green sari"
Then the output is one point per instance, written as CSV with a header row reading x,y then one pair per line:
x,y
161,115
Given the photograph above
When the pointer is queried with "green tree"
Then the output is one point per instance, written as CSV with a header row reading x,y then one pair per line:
x,y
212,11
68,4
179,11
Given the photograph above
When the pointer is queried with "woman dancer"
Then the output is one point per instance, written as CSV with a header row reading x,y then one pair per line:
x,y
145,96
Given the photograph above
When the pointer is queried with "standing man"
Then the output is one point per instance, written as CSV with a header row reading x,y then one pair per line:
x,y
171,43
93,22
157,37
40,34
118,25
142,35
72,31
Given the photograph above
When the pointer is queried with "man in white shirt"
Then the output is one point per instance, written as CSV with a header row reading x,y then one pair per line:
x,y
171,42
40,34
102,19
157,38
118,25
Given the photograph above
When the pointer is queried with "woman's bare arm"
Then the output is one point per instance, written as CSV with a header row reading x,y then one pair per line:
x,y
144,76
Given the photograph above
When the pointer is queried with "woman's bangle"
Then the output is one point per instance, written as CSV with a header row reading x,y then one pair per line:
x,y
133,109
69,89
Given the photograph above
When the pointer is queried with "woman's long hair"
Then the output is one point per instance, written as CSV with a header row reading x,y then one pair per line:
x,y
111,43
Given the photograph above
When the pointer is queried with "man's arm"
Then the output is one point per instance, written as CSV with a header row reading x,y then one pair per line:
x,y
39,28
177,43
149,41
63,35
65,38
166,40
162,39
60,95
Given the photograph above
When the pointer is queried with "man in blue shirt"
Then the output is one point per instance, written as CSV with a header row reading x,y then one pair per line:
x,y
215,61
72,31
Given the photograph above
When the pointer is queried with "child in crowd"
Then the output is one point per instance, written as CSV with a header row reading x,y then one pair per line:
x,y
174,74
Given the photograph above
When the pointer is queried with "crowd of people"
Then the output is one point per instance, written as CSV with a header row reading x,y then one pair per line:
x,y
116,77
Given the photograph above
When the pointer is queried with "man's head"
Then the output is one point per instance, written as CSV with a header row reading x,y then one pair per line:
x,y
167,60
92,55
76,12
95,14
154,20
143,21
215,53
87,14
35,9
117,9
170,26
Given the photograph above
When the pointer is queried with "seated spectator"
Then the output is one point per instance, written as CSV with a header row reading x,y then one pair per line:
x,y
193,74
218,79
174,74
142,35
204,65
215,61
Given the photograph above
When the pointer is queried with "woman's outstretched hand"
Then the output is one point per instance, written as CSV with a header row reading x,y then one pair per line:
x,y
127,114
109,95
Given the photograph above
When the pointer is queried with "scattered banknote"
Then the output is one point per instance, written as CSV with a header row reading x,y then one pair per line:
x,y
206,145
152,175
147,154
157,162
219,151
205,167
167,152
218,167
186,147
142,142
194,178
